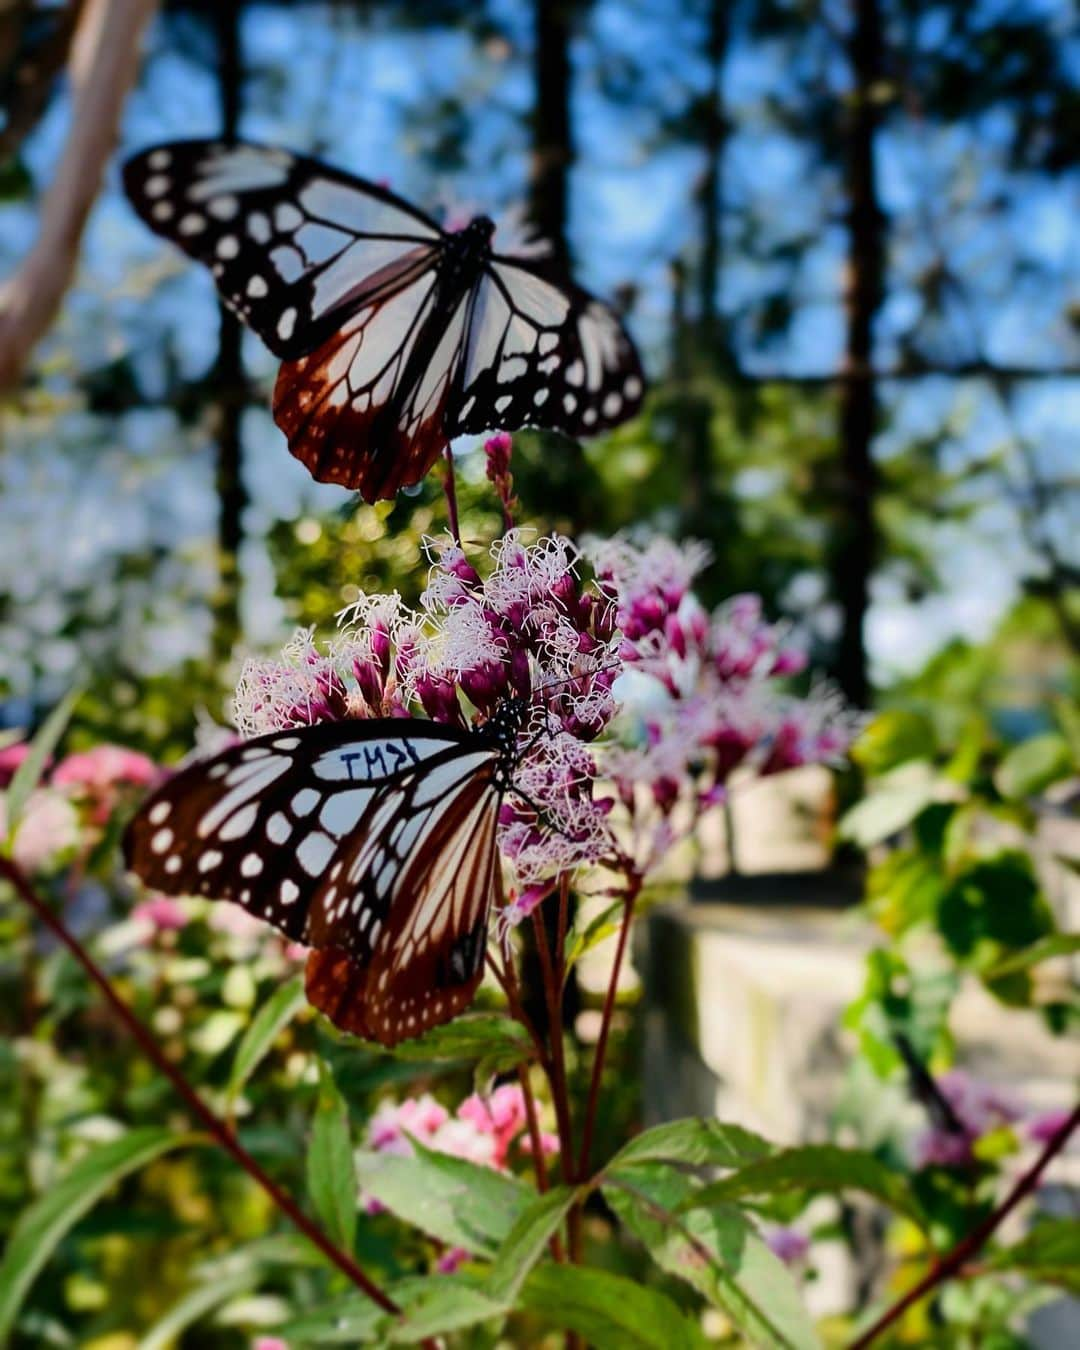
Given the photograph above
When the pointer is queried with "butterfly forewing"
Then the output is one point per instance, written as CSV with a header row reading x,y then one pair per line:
x,y
295,246
543,353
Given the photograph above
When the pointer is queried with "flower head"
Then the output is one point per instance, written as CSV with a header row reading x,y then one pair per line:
x,y
978,1108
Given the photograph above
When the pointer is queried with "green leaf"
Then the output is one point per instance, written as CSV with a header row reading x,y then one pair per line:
x,y
331,1172
1050,1253
811,1169
349,1320
28,774
502,1042
431,1305
1057,944
716,1251
526,1241
1031,767
599,927
891,806
696,1141
278,1010
894,738
610,1310
40,1228
195,1304
455,1201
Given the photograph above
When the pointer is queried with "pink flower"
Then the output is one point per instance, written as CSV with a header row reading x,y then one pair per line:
x,y
391,1127
104,767
161,912
1045,1126
11,756
451,1259
549,1143
269,1343
979,1108
48,833
501,1115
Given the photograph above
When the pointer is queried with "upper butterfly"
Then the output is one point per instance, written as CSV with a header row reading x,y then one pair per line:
x,y
395,335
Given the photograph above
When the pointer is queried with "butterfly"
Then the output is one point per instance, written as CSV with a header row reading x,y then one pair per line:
x,y
372,841
395,335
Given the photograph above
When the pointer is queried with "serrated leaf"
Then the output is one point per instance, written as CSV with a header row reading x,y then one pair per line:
x,y
488,1036
331,1172
716,1251
1050,1253
1030,767
278,1010
453,1200
696,1141
28,774
1046,949
526,1241
609,1310
41,1227
812,1168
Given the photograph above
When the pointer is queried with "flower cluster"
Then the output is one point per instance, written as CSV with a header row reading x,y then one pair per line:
x,y
703,694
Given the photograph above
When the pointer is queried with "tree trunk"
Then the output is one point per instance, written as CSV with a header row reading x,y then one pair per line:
x,y
553,146
230,382
854,545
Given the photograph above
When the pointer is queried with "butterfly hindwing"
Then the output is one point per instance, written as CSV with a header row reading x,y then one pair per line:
x,y
373,841
543,352
295,247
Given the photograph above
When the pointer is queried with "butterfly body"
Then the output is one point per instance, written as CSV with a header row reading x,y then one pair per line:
x,y
395,335
371,841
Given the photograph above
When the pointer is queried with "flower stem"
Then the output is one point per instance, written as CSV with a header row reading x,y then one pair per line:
x,y
450,490
214,1125
634,886
956,1259
557,1061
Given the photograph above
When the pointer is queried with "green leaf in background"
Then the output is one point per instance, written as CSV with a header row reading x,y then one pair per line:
x,y
455,1201
892,804
28,774
432,1305
696,1141
595,930
488,1036
41,1227
813,1168
351,1319
278,1010
1046,949
526,1242
892,738
1050,1253
716,1251
331,1173
610,1310
1031,767
193,1306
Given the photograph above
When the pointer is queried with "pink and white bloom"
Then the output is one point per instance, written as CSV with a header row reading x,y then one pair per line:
x,y
49,832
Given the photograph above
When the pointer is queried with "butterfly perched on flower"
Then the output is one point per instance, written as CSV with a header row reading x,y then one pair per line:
x,y
371,840
395,335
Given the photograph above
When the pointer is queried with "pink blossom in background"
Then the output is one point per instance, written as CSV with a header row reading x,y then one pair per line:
x,y
500,1116
979,1108
103,767
1043,1127
391,1124
11,756
161,912
450,1260
49,831
549,1144
269,1343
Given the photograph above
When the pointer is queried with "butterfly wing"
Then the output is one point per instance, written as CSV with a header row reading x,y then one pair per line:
x,y
294,246
367,409
543,352
426,968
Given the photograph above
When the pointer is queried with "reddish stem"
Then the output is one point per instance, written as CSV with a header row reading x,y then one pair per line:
x,y
634,886
214,1126
450,490
954,1261
557,1064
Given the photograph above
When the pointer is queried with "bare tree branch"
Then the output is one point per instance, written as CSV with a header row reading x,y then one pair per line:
x,y
101,68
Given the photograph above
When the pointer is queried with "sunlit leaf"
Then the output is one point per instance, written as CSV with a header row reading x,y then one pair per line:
x,y
609,1310
1046,949
696,1141
41,1227
1030,767
278,1010
457,1202
527,1240
813,1168
331,1173
600,926
716,1251
28,774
